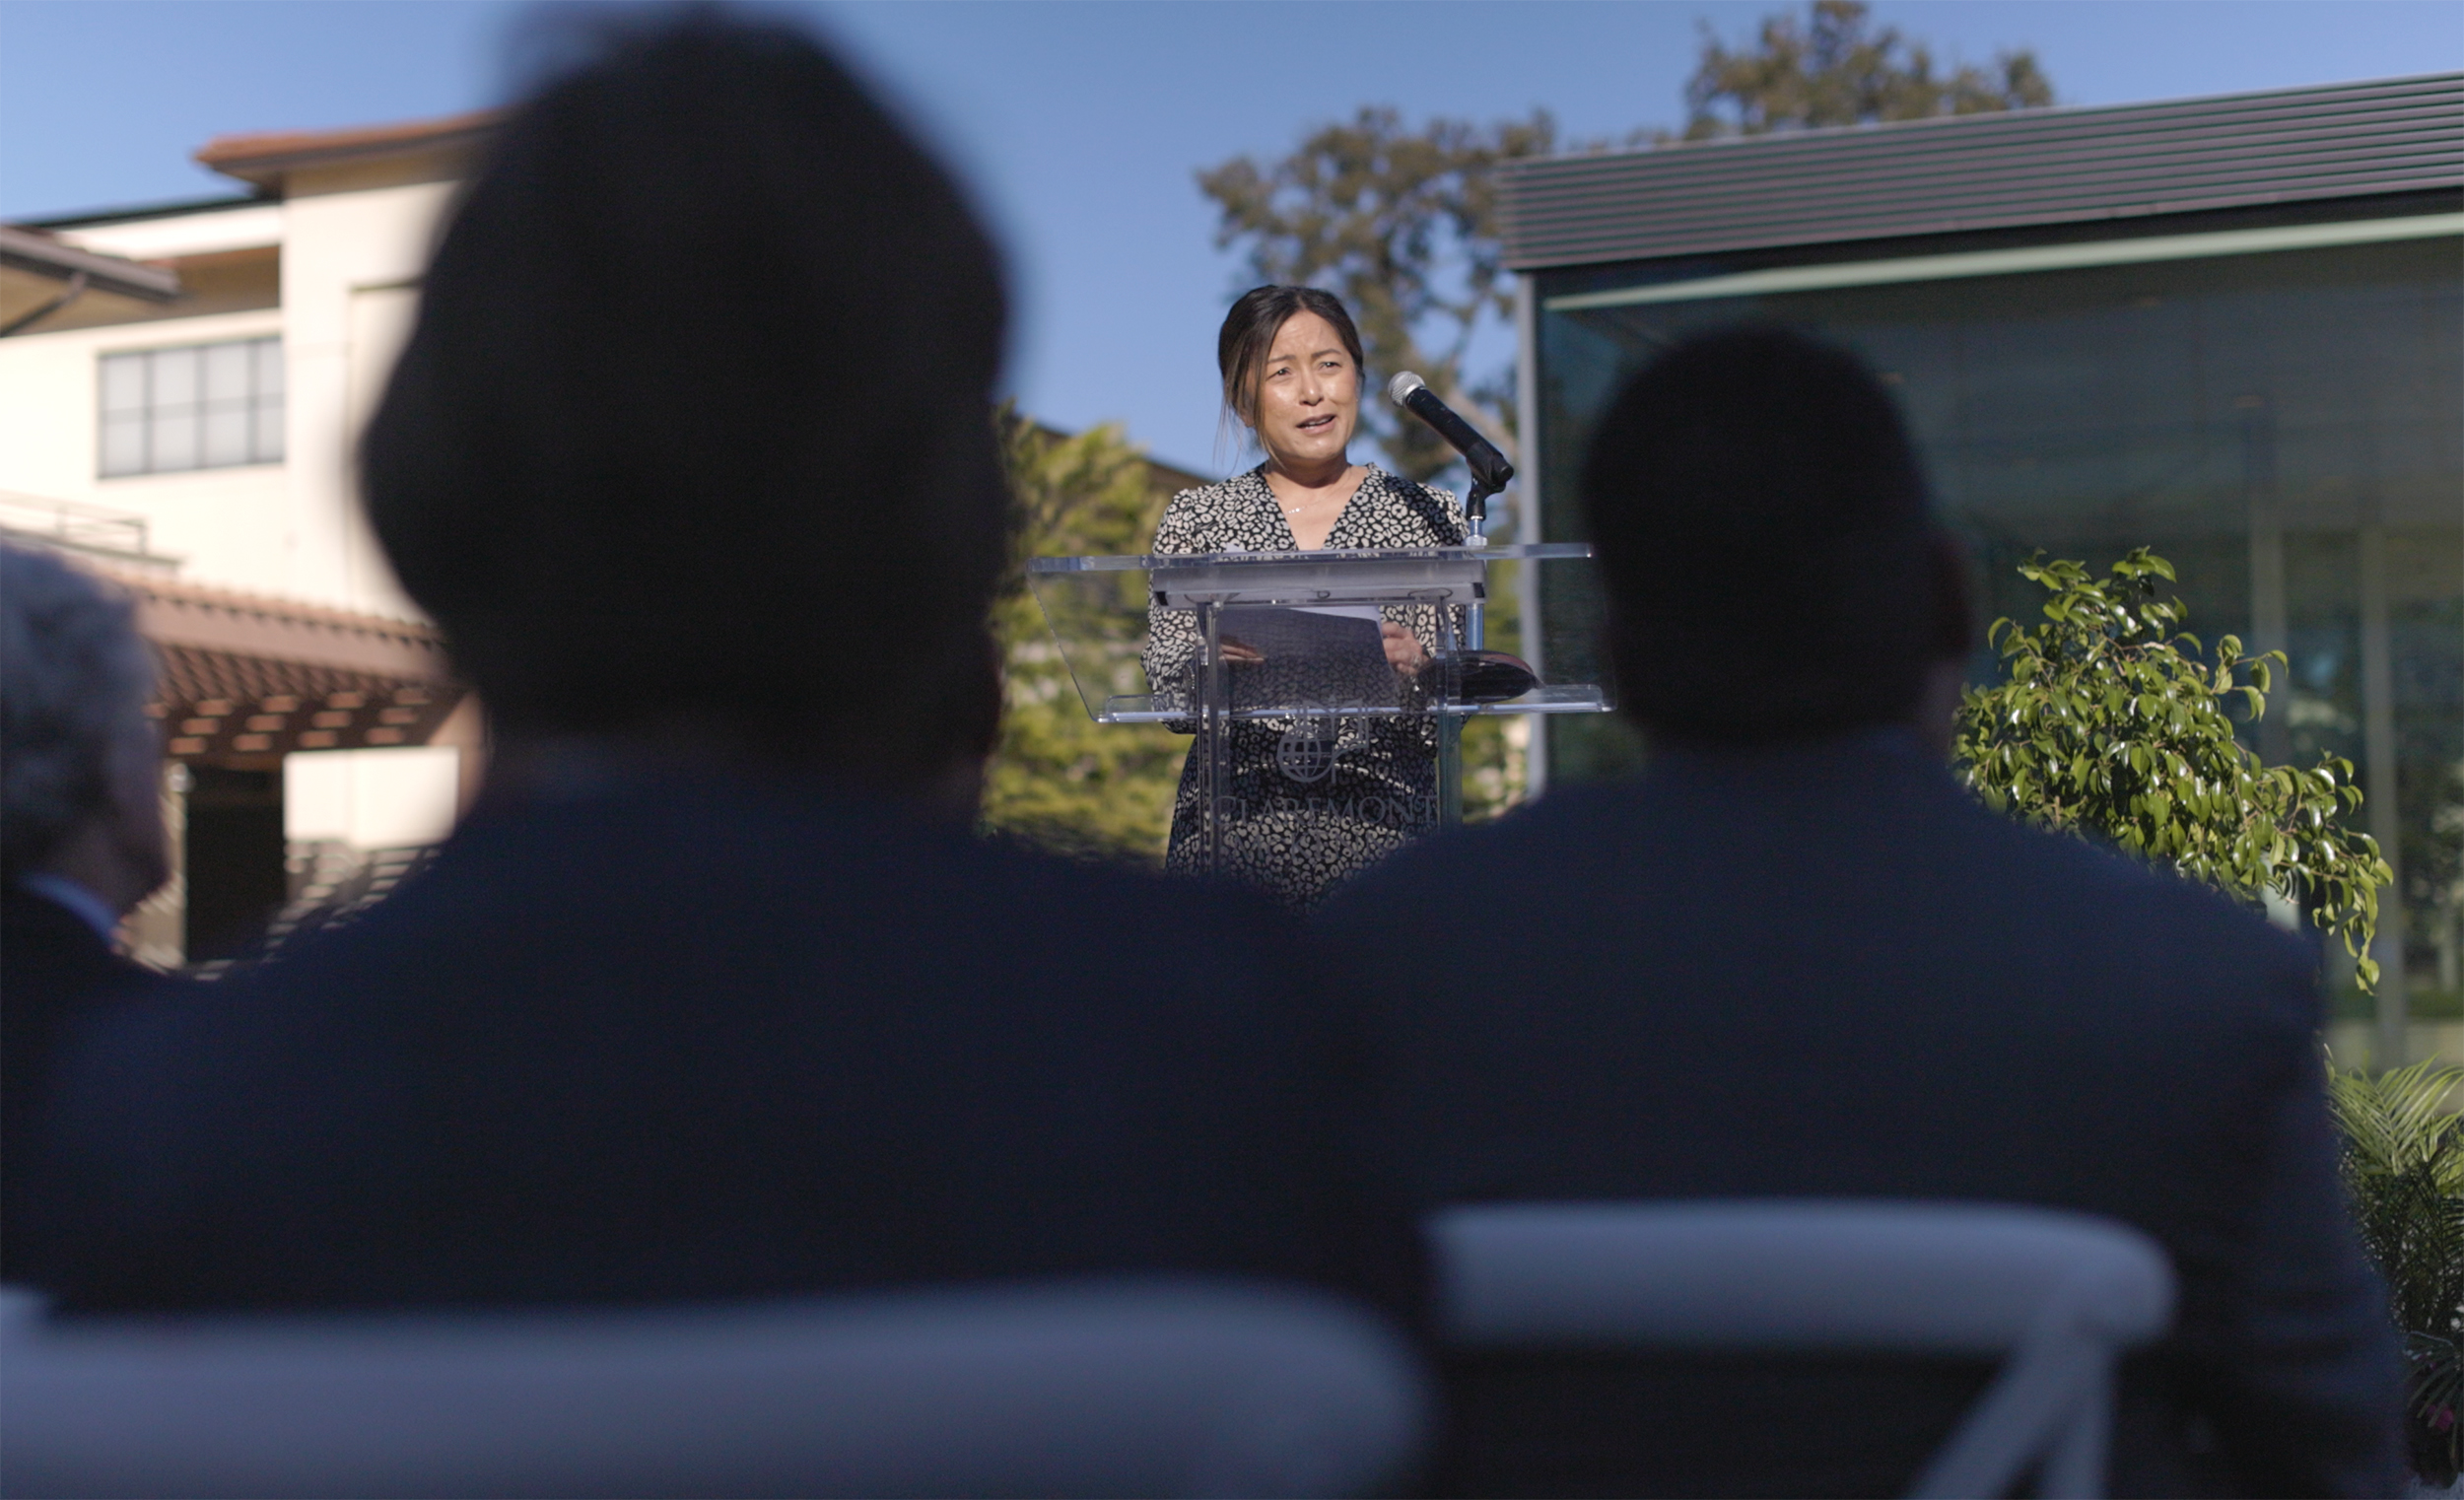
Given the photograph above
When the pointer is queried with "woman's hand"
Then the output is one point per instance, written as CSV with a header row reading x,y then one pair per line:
x,y
1239,652
1403,649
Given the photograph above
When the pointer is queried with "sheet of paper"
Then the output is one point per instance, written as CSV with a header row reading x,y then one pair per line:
x,y
1315,660
1334,636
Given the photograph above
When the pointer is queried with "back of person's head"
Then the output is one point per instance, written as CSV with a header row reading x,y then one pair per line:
x,y
76,747
1764,536
694,429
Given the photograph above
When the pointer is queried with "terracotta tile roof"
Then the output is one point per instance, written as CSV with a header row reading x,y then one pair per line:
x,y
254,156
217,705
174,612
245,675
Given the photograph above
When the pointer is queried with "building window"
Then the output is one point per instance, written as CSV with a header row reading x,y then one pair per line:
x,y
205,406
2283,417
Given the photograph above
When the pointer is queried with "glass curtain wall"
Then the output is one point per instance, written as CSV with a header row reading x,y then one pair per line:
x,y
2282,419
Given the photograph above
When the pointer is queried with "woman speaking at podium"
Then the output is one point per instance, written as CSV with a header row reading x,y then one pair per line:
x,y
1312,800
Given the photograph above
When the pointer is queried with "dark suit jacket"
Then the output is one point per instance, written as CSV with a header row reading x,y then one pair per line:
x,y
712,1038
1827,971
52,967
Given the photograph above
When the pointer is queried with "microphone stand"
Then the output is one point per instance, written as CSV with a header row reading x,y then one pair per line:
x,y
1474,638
1490,473
1476,526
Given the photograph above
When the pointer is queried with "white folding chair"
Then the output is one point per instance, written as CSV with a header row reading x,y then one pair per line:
x,y
2055,1296
1137,1389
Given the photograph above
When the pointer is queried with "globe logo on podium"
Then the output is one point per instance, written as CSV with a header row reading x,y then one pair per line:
x,y
1308,748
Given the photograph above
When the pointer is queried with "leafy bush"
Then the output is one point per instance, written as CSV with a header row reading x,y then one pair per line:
x,y
2404,1165
2111,722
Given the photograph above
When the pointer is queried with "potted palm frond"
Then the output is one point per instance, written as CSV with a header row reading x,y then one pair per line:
x,y
2404,1164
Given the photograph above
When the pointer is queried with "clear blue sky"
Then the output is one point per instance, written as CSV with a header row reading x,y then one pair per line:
x,y
1079,125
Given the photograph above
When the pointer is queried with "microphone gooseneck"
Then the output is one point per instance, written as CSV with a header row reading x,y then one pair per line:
x,y
1488,466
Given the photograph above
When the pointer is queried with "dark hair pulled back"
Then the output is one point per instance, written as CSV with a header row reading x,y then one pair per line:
x,y
1247,337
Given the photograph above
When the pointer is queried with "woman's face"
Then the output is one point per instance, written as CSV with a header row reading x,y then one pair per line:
x,y
1308,394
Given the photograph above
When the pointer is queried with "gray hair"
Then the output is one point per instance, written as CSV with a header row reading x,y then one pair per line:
x,y
74,681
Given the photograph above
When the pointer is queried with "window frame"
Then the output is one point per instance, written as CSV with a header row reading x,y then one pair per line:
x,y
201,426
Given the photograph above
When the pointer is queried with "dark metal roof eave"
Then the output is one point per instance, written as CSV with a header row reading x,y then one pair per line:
x,y
1609,249
46,256
137,213
2434,93
1962,174
2335,142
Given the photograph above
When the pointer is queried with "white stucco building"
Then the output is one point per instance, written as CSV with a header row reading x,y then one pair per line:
x,y
181,392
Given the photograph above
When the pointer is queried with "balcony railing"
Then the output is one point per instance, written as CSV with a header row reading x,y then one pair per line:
x,y
121,536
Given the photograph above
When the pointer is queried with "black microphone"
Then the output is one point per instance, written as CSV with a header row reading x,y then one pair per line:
x,y
1488,466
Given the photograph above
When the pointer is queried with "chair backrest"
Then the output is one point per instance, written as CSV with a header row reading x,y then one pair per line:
x,y
1121,1388
2056,1296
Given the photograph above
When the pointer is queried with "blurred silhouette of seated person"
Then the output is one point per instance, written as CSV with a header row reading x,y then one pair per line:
x,y
81,822
715,993
1795,957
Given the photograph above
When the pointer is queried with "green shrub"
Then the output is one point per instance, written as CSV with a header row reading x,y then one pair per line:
x,y
2108,722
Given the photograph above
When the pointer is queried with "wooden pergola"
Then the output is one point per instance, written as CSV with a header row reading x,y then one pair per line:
x,y
247,679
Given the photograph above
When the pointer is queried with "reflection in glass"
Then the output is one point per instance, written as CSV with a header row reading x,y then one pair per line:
x,y
123,445
123,384
2286,425
175,380
174,445
225,437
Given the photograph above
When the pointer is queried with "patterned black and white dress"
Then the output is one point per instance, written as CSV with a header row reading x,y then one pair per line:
x,y
1298,839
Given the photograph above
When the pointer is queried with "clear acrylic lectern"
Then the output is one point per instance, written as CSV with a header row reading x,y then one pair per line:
x,y
1343,678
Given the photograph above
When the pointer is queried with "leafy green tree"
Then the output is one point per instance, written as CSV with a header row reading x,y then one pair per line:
x,y
2404,1167
1059,779
1401,220
1401,224
1834,68
2109,722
